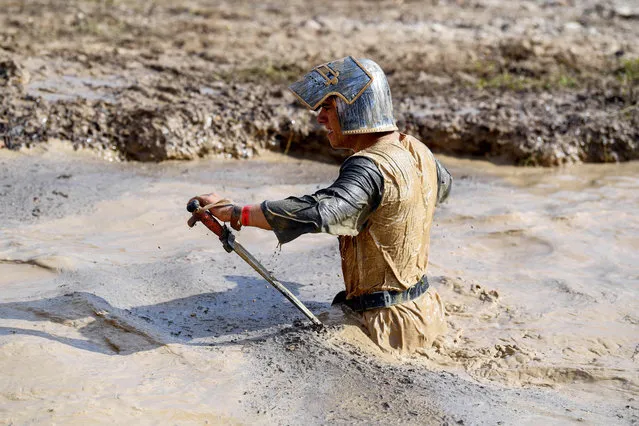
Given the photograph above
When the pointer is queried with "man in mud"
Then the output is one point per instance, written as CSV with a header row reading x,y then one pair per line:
x,y
381,206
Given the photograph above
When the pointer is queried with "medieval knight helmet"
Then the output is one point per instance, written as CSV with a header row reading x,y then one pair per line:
x,y
362,94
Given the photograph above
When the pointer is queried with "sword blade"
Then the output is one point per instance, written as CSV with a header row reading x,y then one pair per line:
x,y
255,264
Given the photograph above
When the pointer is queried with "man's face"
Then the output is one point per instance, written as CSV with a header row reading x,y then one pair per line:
x,y
329,119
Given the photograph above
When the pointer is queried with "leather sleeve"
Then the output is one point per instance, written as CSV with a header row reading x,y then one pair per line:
x,y
340,209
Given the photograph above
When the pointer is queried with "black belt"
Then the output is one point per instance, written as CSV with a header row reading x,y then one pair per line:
x,y
382,299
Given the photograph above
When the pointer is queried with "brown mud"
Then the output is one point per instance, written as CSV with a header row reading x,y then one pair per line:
x,y
526,82
112,308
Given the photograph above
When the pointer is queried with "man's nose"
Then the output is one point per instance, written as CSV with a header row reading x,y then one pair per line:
x,y
321,117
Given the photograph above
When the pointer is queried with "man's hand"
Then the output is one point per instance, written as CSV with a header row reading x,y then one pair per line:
x,y
222,209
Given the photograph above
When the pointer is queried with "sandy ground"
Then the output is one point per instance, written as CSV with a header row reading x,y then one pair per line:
x,y
112,310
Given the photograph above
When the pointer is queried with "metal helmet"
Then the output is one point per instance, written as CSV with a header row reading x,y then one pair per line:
x,y
363,98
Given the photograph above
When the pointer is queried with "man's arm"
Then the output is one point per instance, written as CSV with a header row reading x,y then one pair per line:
x,y
340,209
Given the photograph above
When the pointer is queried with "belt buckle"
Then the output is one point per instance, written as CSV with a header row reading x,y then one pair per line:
x,y
387,299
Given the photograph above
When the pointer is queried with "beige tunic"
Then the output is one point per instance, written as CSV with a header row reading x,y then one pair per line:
x,y
391,252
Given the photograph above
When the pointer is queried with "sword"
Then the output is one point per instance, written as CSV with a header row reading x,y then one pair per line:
x,y
228,241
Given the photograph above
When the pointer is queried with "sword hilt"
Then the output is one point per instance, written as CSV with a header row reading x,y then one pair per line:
x,y
204,216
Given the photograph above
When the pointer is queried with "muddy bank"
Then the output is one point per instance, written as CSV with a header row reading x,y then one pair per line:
x,y
533,83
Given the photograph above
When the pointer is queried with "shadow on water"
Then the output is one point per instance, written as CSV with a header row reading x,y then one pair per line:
x,y
245,312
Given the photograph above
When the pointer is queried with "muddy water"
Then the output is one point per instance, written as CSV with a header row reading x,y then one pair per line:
x,y
111,306
539,271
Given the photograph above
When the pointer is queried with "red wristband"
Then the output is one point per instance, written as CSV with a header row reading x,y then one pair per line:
x,y
245,215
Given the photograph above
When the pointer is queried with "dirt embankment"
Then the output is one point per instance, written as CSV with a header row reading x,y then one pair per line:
x,y
532,82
